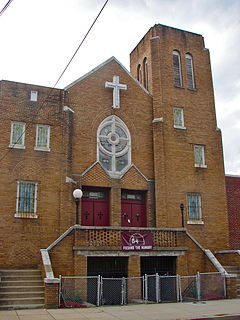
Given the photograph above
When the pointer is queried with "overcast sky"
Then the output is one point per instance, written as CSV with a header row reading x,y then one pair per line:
x,y
38,38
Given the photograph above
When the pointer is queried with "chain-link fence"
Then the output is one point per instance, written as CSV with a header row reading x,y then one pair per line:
x,y
78,291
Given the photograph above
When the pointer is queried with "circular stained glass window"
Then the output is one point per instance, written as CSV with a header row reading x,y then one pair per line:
x,y
114,145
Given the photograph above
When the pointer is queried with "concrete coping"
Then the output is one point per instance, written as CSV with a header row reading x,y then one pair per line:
x,y
228,251
51,280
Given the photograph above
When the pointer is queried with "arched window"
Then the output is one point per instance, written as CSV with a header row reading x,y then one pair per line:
x,y
177,74
145,73
139,73
190,74
114,146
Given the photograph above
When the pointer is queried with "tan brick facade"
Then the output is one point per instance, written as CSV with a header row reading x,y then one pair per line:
x,y
162,168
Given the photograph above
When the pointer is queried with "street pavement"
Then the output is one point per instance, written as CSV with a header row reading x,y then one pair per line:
x,y
218,309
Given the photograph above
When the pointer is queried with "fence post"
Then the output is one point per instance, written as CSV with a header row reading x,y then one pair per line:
x,y
99,291
224,284
146,288
157,288
60,290
179,289
123,291
198,285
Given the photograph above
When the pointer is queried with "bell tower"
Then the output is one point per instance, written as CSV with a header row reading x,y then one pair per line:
x,y
174,66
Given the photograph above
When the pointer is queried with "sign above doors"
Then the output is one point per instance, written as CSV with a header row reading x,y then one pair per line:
x,y
136,241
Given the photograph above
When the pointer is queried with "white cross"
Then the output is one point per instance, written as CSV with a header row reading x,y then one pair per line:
x,y
116,87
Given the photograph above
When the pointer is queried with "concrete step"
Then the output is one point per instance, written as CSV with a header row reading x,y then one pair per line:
x,y
22,289
20,278
21,283
21,306
16,295
19,271
19,301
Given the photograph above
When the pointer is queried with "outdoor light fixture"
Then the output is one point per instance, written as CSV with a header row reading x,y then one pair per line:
x,y
77,194
182,212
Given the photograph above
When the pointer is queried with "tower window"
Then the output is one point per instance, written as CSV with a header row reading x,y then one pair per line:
x,y
139,73
177,74
190,74
199,154
178,118
194,208
145,73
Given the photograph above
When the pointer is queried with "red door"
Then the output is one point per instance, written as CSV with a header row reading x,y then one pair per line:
x,y
95,208
133,210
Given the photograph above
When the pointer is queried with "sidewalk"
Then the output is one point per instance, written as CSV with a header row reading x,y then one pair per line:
x,y
162,311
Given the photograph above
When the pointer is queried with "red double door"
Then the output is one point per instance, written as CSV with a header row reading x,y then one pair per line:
x,y
133,212
95,209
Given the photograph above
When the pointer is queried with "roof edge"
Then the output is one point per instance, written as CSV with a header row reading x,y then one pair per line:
x,y
101,66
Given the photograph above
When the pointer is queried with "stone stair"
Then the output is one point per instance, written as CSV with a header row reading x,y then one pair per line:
x,y
21,289
235,270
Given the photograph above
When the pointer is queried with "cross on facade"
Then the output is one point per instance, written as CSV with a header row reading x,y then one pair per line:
x,y
116,86
100,214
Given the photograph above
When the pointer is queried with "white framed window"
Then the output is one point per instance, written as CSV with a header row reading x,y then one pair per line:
x,y
199,155
177,73
178,118
194,208
17,138
114,146
26,202
42,137
34,95
190,73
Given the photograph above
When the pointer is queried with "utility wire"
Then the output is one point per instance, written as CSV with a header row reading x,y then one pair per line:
x,y
52,88
5,7
81,43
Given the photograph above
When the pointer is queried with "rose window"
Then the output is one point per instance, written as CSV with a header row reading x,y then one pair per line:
x,y
113,145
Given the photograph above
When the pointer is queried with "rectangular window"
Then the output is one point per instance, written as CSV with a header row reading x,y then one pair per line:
x,y
199,153
42,137
178,118
17,135
26,205
34,95
194,208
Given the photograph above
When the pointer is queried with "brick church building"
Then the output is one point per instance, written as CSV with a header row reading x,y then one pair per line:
x,y
144,148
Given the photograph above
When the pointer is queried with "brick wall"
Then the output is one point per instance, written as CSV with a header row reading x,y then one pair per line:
x,y
233,202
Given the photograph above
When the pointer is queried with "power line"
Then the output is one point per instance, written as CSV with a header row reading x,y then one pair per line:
x,y
5,7
81,43
52,88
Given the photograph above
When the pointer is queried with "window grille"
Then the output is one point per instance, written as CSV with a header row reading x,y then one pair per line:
x,y
194,207
26,197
